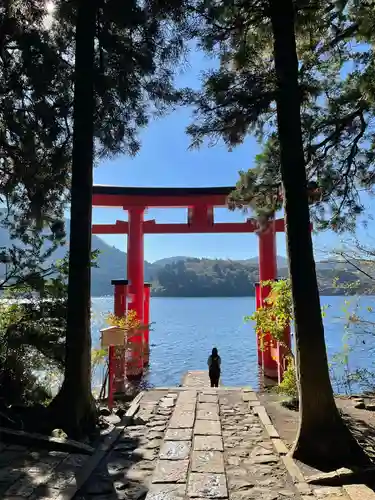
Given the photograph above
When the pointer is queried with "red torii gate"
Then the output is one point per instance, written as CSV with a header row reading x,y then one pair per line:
x,y
200,203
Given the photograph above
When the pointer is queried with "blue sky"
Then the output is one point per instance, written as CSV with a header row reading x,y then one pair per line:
x,y
165,160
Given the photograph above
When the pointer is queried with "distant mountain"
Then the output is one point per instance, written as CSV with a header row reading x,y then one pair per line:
x,y
169,260
112,263
186,276
282,262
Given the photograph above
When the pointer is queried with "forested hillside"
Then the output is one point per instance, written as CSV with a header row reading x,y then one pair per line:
x,y
226,278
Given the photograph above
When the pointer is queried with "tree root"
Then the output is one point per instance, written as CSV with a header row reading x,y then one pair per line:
x,y
76,416
329,448
40,441
343,476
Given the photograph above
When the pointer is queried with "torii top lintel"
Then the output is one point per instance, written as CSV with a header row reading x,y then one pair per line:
x,y
159,197
199,201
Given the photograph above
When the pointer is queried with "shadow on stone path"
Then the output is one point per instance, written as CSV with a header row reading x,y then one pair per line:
x,y
125,473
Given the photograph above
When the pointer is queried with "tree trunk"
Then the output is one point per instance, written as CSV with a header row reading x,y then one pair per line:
x,y
73,406
323,440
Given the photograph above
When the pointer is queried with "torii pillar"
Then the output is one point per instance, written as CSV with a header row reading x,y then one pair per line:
x,y
267,272
135,274
119,309
146,322
120,296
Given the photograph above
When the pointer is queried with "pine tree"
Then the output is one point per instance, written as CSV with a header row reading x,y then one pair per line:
x,y
34,106
260,88
136,46
323,439
123,72
74,403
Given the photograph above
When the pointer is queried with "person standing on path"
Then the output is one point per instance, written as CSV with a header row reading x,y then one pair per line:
x,y
214,367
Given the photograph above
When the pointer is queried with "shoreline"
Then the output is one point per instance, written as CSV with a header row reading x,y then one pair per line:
x,y
161,296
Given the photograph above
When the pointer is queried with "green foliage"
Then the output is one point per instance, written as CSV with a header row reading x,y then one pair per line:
x,y
359,328
27,260
34,112
342,376
137,48
336,94
274,318
32,336
288,385
277,314
98,359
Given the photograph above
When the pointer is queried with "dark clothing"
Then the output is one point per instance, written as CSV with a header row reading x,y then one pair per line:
x,y
214,378
214,371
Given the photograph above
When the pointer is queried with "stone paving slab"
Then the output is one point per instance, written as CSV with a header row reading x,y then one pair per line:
x,y
182,420
207,428
127,471
187,395
175,450
196,379
207,486
184,434
212,414
207,461
171,471
208,398
23,471
231,456
186,405
208,443
204,406
167,492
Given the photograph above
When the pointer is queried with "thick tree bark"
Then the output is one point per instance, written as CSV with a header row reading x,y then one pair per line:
x,y
323,440
73,407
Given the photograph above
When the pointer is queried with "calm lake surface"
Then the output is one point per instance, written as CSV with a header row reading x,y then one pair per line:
x,y
184,331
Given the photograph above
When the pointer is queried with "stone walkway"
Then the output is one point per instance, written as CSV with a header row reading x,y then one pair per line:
x,y
200,443
194,443
183,443
216,447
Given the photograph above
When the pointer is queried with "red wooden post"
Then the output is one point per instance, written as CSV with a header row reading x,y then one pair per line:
x,y
135,273
120,295
258,305
136,260
267,272
282,351
111,375
146,322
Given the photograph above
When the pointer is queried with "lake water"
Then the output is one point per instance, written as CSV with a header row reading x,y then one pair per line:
x,y
184,331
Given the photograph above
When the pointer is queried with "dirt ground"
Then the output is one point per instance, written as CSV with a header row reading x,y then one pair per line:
x,y
360,422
